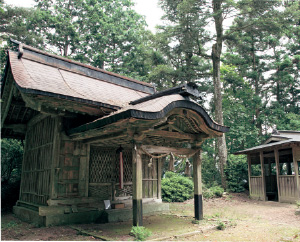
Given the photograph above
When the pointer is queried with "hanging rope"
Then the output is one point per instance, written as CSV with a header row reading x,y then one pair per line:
x,y
172,160
187,170
166,154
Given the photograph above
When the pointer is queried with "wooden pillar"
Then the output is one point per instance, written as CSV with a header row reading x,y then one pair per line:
x,y
55,158
296,169
137,181
198,202
276,153
261,155
160,163
249,172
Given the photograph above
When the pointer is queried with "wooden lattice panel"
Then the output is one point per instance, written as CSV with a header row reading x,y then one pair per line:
x,y
101,160
101,192
35,185
125,192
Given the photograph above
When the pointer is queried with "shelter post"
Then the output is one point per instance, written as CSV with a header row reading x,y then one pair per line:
x,y
198,203
262,164
137,193
276,153
296,168
249,172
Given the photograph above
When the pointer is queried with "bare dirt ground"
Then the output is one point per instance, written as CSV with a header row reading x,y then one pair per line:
x,y
241,219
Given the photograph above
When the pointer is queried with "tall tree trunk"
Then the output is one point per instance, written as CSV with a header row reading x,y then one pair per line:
x,y
216,59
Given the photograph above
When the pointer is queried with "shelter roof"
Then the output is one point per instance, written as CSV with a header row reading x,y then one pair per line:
x,y
280,138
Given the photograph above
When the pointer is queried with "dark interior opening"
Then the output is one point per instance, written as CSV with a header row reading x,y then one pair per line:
x,y
270,176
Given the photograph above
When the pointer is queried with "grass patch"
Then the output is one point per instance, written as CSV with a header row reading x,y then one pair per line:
x,y
8,225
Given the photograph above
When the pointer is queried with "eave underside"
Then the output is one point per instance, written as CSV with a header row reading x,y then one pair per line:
x,y
181,128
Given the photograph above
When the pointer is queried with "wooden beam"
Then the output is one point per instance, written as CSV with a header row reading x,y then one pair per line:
x,y
108,137
173,135
31,103
137,186
36,119
261,155
5,108
198,200
164,150
18,128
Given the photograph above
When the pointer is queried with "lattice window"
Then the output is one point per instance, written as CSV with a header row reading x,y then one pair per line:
x,y
127,168
101,160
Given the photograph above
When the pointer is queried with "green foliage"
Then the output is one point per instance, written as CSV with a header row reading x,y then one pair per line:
x,y
215,191
140,233
176,188
298,204
210,173
11,162
10,224
221,225
237,173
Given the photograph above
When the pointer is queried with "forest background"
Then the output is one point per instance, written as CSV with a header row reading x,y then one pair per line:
x,y
243,54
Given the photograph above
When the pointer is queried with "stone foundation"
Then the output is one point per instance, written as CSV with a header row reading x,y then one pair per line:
x,y
62,215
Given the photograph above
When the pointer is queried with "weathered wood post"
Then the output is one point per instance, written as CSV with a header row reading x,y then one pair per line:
x,y
198,202
249,173
160,163
262,164
295,160
137,193
276,153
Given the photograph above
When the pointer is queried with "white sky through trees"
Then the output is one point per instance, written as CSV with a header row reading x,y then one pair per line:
x,y
148,8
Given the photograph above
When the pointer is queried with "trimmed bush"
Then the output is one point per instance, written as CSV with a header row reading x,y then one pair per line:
x,y
140,233
215,191
176,188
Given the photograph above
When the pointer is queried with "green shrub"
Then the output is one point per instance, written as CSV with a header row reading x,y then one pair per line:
x,y
207,193
176,188
221,225
11,164
298,204
140,233
237,173
215,191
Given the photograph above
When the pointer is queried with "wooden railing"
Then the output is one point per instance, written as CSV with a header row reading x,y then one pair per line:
x,y
256,184
288,186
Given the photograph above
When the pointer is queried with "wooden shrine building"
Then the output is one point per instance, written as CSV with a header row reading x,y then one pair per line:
x,y
274,168
93,136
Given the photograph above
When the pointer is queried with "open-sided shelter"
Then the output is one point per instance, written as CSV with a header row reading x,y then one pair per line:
x,y
93,136
274,168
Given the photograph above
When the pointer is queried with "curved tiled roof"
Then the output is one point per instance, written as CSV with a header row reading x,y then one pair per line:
x,y
153,109
35,76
